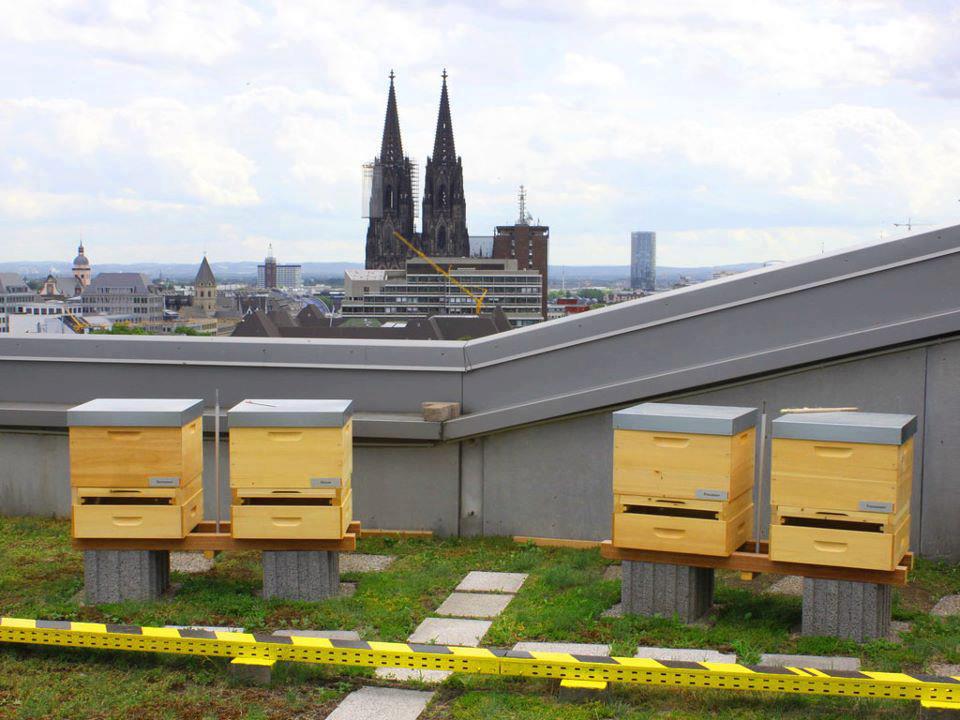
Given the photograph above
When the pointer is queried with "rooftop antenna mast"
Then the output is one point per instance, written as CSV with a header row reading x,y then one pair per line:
x,y
910,224
525,217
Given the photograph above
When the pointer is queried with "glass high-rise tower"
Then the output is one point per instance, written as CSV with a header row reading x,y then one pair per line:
x,y
643,261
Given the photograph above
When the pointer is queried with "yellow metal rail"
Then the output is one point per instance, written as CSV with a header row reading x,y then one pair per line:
x,y
940,692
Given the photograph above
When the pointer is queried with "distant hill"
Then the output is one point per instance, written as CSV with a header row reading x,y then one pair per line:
x,y
247,270
175,271
665,275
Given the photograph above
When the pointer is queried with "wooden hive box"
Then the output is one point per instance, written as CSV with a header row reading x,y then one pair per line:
x,y
137,512
695,452
702,527
291,463
135,443
875,541
843,461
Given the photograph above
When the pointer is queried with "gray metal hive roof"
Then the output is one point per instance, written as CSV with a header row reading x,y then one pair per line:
x,y
135,412
675,417
854,427
290,413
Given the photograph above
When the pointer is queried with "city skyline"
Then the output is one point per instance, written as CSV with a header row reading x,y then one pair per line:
x,y
182,130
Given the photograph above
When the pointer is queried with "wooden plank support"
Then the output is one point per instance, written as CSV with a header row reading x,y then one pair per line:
x,y
747,559
557,542
206,538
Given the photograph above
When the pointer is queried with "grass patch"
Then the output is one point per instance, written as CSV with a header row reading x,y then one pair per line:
x,y
563,600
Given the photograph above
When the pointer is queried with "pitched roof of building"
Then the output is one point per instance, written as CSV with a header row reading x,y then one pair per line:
x,y
311,315
204,274
138,281
11,282
256,324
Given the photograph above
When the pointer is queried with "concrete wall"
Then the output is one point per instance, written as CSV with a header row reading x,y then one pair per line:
x,y
554,479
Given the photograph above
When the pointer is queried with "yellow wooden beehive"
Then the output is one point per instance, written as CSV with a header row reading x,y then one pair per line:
x,y
840,489
291,463
136,467
683,477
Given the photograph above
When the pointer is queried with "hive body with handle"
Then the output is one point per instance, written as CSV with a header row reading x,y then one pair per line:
x,y
683,477
840,486
136,467
291,463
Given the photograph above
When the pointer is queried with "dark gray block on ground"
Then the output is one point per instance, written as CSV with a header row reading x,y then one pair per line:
x,y
116,575
300,575
847,610
666,590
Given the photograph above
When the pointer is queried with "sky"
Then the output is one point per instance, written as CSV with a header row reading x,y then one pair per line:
x,y
738,131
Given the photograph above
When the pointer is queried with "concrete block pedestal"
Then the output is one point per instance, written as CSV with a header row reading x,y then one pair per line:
x,y
847,610
111,576
666,590
308,575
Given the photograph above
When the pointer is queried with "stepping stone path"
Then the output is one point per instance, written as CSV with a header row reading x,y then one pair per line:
x,y
945,670
474,605
328,634
947,606
479,595
370,703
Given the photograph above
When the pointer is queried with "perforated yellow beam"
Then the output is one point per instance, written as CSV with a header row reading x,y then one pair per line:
x,y
943,692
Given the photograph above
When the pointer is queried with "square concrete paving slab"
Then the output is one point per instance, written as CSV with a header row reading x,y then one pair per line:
x,y
569,648
430,677
450,631
376,703
364,562
474,605
947,606
820,662
190,562
479,581
208,628
328,634
685,654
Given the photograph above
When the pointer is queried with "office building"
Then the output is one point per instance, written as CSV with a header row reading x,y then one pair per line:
x,y
527,243
421,291
14,291
124,297
643,261
273,275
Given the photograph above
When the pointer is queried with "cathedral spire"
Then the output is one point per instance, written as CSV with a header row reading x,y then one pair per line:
x,y
443,148
391,149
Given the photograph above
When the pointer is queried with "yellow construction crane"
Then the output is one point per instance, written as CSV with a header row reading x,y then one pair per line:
x,y
477,299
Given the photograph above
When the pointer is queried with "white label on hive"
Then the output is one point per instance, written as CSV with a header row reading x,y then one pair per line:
x,y
711,494
163,482
325,482
880,507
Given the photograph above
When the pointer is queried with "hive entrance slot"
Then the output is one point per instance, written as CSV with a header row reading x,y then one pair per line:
x,y
672,512
130,500
832,524
286,500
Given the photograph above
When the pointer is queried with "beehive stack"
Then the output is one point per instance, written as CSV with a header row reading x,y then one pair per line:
x,y
840,487
136,468
290,467
683,477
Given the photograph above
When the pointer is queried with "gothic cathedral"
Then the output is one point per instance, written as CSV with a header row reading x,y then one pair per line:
x,y
444,207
